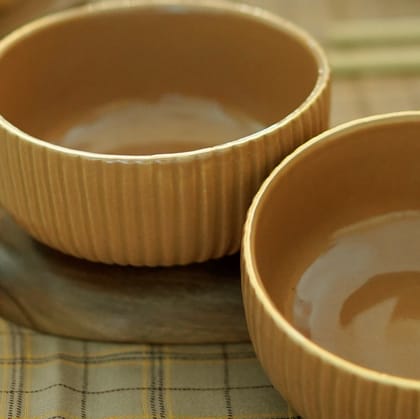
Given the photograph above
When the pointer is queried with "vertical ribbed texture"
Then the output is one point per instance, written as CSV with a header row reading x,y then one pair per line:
x,y
315,387
146,212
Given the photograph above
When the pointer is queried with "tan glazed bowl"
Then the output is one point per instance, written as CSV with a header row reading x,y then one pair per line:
x,y
366,168
6,3
161,207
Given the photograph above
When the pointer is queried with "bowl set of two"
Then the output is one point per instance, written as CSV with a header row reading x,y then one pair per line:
x,y
140,133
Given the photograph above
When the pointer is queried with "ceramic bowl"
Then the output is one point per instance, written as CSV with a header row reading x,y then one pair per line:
x,y
6,3
15,13
330,252
130,198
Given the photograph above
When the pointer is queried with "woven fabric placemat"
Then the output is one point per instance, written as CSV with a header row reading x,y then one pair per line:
x,y
47,377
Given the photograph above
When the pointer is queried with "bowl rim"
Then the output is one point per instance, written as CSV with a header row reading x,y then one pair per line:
x,y
306,40
249,262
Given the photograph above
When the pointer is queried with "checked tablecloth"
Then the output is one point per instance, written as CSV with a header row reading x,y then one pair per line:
x,y
47,377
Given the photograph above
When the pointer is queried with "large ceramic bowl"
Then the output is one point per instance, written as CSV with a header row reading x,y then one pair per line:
x,y
127,198
331,272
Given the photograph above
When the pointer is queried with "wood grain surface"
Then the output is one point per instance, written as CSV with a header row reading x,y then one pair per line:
x,y
50,292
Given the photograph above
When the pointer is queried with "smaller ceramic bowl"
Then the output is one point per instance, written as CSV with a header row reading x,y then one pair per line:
x,y
111,118
330,272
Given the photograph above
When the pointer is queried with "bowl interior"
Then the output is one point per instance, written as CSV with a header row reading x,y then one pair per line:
x,y
213,60
335,242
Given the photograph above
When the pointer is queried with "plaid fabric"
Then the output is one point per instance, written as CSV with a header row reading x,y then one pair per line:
x,y
46,377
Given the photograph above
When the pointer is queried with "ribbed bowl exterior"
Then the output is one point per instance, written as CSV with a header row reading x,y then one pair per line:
x,y
316,386
149,212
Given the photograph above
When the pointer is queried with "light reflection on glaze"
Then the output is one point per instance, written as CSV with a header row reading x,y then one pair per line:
x,y
174,123
360,299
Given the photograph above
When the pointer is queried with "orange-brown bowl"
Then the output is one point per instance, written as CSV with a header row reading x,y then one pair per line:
x,y
164,205
364,170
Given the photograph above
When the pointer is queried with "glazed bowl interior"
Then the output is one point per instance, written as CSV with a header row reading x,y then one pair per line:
x,y
60,72
316,235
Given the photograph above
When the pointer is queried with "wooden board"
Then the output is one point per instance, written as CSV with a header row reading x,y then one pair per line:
x,y
53,293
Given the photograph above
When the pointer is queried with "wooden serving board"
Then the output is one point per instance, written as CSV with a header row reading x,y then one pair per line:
x,y
45,290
